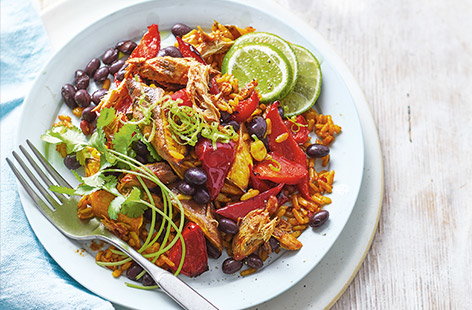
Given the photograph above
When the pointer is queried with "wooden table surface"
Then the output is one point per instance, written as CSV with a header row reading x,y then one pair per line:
x,y
413,60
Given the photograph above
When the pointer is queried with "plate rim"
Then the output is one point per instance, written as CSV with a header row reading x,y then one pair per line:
x,y
338,64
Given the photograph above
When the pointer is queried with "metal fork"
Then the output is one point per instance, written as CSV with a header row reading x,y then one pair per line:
x,y
63,216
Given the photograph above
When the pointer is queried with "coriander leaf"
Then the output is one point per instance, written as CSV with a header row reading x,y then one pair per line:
x,y
131,206
115,207
84,189
110,184
62,190
77,176
124,137
95,180
72,137
107,115
151,150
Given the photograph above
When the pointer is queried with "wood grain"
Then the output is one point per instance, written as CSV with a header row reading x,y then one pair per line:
x,y
413,60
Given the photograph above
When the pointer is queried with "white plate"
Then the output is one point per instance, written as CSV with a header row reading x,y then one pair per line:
x,y
338,99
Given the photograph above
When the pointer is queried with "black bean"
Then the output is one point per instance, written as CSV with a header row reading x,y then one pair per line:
x,y
228,226
143,160
274,244
126,47
71,162
147,280
254,261
201,196
140,148
171,51
116,66
212,251
231,265
110,56
101,74
133,271
281,112
82,82
195,176
234,124
78,74
225,116
186,188
82,98
319,218
92,66
180,29
68,92
88,114
257,126
120,75
98,95
317,150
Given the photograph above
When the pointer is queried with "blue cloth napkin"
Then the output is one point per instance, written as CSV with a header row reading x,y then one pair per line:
x,y
30,278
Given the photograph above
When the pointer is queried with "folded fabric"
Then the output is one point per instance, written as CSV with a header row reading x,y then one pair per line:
x,y
30,279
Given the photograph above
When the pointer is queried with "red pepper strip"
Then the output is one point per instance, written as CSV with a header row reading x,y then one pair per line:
x,y
289,147
245,108
238,210
257,183
215,162
304,188
214,90
196,257
188,50
299,133
149,45
280,170
183,95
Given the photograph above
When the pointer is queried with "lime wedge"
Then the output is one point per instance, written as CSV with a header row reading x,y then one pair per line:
x,y
308,86
264,63
274,41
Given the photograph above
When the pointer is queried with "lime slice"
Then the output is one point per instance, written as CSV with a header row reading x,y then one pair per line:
x,y
274,41
261,62
308,86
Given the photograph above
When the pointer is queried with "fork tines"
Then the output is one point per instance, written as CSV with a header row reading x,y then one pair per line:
x,y
55,201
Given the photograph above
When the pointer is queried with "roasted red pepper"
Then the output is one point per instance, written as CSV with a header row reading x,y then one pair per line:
x,y
245,108
257,183
304,188
196,257
280,170
188,50
149,45
238,210
299,133
216,162
288,148
183,95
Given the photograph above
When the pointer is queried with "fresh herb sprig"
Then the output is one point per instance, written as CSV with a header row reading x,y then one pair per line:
x,y
132,204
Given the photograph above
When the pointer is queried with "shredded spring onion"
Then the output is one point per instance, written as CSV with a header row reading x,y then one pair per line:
x,y
168,198
186,124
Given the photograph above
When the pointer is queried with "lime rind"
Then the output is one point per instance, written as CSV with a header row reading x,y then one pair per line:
x,y
278,43
308,86
264,63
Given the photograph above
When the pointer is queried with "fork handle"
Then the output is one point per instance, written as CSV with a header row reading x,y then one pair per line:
x,y
175,288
